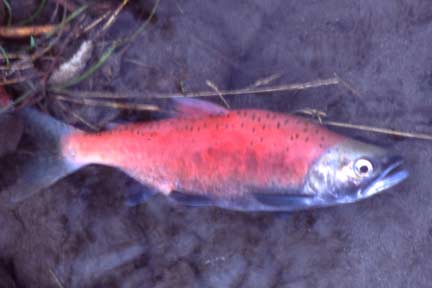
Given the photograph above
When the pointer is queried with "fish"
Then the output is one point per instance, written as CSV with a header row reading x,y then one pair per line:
x,y
206,155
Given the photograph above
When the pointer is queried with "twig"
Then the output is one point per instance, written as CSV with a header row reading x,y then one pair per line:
x,y
255,90
266,80
216,89
58,29
110,104
56,279
261,90
96,22
25,31
423,136
114,15
318,114
347,85
77,116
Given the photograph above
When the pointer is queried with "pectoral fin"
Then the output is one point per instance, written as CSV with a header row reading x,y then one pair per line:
x,y
285,201
138,194
191,199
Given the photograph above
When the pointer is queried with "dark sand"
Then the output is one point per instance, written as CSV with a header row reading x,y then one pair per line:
x,y
81,231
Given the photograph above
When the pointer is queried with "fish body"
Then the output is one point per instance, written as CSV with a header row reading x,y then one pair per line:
x,y
221,155
249,160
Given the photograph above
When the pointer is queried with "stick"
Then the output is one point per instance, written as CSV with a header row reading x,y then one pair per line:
x,y
423,136
25,31
110,104
252,90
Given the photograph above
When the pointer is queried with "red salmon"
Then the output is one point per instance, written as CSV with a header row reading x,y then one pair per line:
x,y
236,159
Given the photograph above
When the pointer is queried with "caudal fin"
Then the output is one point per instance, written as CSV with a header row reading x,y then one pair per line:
x,y
46,165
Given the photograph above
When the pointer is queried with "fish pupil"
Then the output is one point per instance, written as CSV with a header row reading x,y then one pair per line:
x,y
364,169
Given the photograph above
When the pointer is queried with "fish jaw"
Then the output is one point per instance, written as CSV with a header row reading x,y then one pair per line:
x,y
391,176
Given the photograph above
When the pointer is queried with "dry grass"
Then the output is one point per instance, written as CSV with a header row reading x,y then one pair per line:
x,y
320,116
25,31
422,136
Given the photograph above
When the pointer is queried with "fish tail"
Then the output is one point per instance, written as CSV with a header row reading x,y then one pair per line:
x,y
47,165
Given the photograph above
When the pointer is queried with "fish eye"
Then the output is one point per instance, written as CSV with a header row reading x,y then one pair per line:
x,y
363,167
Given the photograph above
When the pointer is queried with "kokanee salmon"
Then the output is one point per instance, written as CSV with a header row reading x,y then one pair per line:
x,y
250,160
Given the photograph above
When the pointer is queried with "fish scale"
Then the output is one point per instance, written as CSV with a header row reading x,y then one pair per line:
x,y
217,155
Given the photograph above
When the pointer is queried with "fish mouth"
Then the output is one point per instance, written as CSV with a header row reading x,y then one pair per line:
x,y
392,175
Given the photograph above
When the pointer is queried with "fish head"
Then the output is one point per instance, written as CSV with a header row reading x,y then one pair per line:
x,y
351,171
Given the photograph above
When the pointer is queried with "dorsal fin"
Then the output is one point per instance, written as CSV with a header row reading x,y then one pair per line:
x,y
194,108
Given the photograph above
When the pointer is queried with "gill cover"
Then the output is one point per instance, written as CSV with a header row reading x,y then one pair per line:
x,y
352,171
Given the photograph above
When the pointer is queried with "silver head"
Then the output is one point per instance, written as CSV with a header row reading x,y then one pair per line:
x,y
352,171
